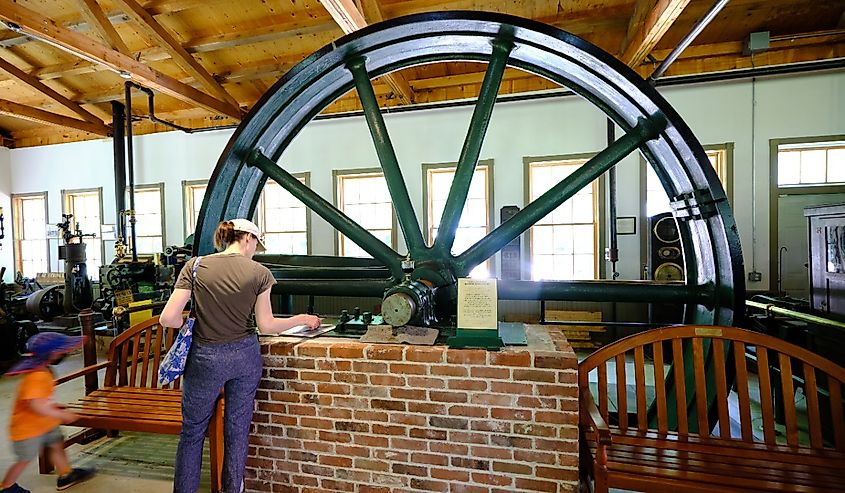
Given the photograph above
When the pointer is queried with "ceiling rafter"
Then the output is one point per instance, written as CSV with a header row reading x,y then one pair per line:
x,y
99,21
350,19
651,20
20,111
182,58
85,47
51,93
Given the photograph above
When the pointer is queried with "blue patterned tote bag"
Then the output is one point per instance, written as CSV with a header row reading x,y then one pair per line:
x,y
173,363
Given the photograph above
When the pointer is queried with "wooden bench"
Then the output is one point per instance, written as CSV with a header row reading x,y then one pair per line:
x,y
654,442
130,398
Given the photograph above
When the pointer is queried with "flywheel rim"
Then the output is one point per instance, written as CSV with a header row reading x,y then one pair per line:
x,y
712,256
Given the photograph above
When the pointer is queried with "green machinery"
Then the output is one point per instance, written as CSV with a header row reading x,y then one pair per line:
x,y
420,287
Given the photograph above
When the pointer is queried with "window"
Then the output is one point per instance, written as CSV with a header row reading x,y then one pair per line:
x,y
476,217
32,251
87,208
363,196
811,164
563,244
149,225
720,157
283,219
192,193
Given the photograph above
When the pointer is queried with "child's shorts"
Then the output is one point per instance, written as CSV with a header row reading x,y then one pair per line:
x,y
27,450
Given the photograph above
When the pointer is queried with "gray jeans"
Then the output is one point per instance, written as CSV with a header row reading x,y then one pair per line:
x,y
236,368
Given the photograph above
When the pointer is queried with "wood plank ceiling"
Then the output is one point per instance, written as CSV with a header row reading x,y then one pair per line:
x,y
209,61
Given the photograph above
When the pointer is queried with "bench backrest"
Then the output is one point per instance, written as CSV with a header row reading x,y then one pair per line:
x,y
135,355
715,361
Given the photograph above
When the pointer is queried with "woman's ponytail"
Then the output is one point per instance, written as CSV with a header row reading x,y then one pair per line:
x,y
225,235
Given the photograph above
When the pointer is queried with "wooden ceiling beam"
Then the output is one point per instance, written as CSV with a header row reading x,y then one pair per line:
x,y
39,86
16,110
97,19
182,58
278,27
85,47
350,19
651,20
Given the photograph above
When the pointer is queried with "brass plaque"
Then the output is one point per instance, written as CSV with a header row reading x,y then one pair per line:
x,y
708,331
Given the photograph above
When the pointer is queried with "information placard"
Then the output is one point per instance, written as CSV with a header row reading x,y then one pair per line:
x,y
477,304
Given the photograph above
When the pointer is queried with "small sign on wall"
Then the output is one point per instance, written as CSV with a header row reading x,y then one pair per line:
x,y
626,225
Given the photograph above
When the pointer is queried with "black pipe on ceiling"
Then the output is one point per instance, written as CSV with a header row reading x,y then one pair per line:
x,y
131,167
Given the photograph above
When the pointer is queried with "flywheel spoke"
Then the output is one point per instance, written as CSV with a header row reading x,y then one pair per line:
x,y
645,130
472,146
330,213
387,157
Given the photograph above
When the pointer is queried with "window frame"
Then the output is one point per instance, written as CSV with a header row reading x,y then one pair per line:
x,y
150,186
599,208
187,203
66,193
340,174
305,178
17,257
490,202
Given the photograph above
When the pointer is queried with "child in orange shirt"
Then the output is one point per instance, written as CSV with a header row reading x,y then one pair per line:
x,y
36,418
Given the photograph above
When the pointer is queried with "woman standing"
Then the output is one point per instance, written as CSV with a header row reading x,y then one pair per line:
x,y
225,354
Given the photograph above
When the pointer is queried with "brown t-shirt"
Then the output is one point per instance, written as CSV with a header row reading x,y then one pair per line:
x,y
225,291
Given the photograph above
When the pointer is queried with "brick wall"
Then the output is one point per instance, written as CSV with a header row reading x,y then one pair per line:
x,y
339,415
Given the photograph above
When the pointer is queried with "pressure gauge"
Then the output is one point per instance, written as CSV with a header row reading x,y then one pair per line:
x,y
669,272
666,230
398,309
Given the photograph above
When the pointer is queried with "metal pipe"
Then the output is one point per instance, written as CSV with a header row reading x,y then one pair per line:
x,y
119,144
689,38
131,168
151,110
806,317
621,291
780,269
613,252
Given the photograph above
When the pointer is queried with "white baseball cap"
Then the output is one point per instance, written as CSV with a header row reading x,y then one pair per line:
x,y
250,227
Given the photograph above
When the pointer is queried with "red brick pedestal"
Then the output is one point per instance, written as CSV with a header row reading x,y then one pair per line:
x,y
338,415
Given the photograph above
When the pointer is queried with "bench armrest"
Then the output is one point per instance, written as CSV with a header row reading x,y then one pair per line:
x,y
82,372
590,416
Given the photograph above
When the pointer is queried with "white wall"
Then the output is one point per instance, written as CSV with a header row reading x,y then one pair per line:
x,y
7,248
796,106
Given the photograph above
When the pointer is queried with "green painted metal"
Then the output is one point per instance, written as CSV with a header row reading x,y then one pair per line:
x,y
387,157
619,291
327,211
806,317
476,338
472,147
645,130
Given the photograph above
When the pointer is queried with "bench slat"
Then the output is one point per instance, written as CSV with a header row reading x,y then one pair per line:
x,y
602,373
700,386
746,467
659,387
717,481
813,413
146,361
621,392
721,388
788,398
159,334
836,413
639,377
768,415
742,391
680,386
